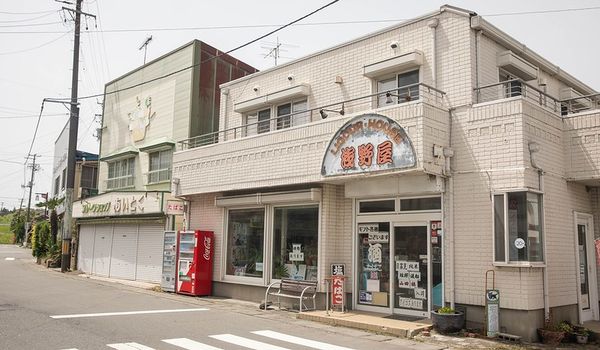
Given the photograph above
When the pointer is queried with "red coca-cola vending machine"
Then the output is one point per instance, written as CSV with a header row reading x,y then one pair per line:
x,y
195,262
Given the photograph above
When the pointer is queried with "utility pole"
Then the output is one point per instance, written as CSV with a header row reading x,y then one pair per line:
x,y
73,126
30,185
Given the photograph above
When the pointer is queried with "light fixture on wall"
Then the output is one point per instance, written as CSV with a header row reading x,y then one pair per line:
x,y
323,111
389,95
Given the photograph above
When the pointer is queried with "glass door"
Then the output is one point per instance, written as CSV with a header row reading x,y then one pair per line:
x,y
374,264
411,270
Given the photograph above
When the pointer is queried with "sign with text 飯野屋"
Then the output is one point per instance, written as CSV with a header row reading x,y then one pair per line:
x,y
368,143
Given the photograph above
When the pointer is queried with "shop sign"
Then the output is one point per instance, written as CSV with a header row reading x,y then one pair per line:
x,y
337,290
296,253
338,269
175,208
119,204
409,303
368,143
492,304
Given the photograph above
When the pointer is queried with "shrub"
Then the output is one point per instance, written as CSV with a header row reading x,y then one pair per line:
x,y
40,239
446,310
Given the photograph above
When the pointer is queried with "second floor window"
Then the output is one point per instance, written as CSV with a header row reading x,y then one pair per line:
x,y
286,115
89,174
407,84
120,174
160,166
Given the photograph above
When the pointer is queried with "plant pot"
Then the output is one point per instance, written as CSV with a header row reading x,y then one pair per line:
x,y
581,338
550,337
448,323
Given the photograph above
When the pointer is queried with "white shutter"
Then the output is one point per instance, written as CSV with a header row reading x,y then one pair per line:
x,y
124,248
102,246
150,253
85,253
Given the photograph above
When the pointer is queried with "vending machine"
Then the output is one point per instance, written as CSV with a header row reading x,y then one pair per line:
x,y
167,282
194,262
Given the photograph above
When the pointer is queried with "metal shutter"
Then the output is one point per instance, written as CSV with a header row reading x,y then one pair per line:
x,y
150,253
124,248
85,253
102,246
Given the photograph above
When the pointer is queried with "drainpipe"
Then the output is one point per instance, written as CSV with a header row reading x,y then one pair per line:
x,y
449,154
433,25
533,149
477,54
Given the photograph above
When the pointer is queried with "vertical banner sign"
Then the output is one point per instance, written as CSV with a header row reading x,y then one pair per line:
x,y
337,290
492,306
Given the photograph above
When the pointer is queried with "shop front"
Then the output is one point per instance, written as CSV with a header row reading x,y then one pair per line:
x,y
397,229
121,235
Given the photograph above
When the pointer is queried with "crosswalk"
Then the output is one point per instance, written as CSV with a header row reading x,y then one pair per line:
x,y
235,340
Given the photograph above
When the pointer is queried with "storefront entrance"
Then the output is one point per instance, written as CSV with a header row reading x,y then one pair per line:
x,y
399,263
585,255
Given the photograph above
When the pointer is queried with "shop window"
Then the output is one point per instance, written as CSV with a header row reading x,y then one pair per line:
x,y
120,174
295,243
245,239
377,206
373,264
407,84
518,227
414,204
159,166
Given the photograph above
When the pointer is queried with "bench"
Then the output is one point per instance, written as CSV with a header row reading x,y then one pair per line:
x,y
293,289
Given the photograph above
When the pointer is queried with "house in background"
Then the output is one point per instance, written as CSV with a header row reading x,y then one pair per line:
x,y
424,157
173,97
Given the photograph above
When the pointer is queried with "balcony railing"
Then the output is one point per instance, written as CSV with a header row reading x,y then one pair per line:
x,y
515,88
580,104
414,92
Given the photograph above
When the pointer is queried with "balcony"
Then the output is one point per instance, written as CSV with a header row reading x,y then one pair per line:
x,y
517,89
288,154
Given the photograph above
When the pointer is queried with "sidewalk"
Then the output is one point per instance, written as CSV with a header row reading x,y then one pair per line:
x,y
408,334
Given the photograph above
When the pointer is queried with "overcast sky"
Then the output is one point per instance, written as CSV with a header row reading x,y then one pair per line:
x,y
37,45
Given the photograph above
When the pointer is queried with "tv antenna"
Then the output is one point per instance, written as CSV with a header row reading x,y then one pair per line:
x,y
145,46
275,49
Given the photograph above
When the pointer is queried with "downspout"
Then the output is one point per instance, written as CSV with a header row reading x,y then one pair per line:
x,y
533,149
477,63
433,25
449,154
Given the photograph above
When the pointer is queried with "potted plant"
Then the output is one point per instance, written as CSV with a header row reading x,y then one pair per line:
x,y
447,320
581,335
552,333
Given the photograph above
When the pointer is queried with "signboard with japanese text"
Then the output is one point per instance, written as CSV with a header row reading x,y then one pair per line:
x,y
175,207
338,269
119,204
337,290
367,143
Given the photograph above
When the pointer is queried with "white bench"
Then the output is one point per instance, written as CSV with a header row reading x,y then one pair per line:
x,y
293,289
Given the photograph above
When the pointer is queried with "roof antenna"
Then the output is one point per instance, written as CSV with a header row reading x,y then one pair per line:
x,y
145,46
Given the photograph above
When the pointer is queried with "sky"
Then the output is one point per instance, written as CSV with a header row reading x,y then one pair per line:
x,y
36,48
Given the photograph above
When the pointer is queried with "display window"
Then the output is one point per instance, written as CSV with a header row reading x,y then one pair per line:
x,y
374,263
295,242
245,241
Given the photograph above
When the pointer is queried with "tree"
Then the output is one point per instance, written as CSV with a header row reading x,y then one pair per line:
x,y
52,204
40,240
17,226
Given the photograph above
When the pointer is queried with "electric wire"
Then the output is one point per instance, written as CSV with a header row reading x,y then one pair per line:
x,y
201,62
35,47
33,116
37,125
28,20
25,13
31,25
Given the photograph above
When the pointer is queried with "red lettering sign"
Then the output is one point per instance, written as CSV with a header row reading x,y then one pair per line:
x,y
337,290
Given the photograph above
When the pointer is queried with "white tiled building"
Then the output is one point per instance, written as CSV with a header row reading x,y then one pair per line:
x,y
482,161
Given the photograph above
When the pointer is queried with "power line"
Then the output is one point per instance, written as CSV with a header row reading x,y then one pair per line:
x,y
29,19
36,47
33,116
25,13
123,30
31,25
201,62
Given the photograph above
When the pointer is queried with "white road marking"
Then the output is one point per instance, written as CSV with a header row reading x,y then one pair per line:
x,y
9,259
300,341
129,346
247,343
127,313
189,344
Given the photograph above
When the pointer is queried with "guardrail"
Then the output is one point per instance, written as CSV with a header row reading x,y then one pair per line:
x,y
414,92
515,88
580,104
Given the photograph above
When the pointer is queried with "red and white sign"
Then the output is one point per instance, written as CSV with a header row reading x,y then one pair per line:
x,y
337,290
175,208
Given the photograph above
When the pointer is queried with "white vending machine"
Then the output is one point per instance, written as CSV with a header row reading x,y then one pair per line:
x,y
169,266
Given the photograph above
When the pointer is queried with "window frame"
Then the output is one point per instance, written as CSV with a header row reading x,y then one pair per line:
x,y
159,170
253,125
541,209
117,179
396,76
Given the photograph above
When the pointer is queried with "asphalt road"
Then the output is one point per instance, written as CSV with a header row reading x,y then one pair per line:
x,y
44,309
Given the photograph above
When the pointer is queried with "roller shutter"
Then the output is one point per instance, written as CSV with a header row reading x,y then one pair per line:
x,y
85,253
124,249
102,246
149,253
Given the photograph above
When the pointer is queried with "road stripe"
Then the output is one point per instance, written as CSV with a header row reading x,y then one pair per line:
x,y
129,346
247,343
10,259
300,341
126,313
189,344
